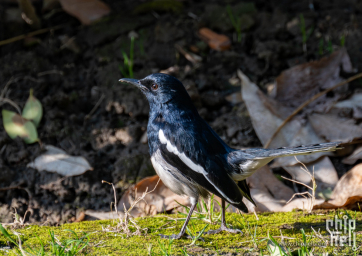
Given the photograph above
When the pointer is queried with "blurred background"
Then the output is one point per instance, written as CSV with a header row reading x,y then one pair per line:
x,y
73,52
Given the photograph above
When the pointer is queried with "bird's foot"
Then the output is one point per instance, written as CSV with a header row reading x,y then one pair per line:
x,y
223,228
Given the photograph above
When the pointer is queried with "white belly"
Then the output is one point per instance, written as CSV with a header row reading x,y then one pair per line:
x,y
173,178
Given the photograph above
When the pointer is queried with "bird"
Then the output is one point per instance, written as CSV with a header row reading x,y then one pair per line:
x,y
189,156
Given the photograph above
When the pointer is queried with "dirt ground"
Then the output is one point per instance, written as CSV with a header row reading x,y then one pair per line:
x,y
112,138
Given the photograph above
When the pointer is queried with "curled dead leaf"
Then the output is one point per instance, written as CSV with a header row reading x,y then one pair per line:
x,y
356,155
298,84
87,11
160,200
350,185
216,41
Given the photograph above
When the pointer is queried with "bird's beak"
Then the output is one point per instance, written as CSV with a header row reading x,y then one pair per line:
x,y
134,82
130,81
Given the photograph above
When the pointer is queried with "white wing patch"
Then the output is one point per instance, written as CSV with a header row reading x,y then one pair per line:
x,y
171,148
195,167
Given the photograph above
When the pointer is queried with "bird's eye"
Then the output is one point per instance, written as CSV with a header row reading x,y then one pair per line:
x,y
154,87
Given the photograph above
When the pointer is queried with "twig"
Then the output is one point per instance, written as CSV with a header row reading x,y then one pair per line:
x,y
17,187
54,71
314,184
297,182
11,80
318,235
34,33
5,100
124,222
163,225
3,92
12,103
115,195
20,244
303,105
194,58
94,108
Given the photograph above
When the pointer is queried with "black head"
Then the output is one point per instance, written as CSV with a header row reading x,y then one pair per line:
x,y
161,88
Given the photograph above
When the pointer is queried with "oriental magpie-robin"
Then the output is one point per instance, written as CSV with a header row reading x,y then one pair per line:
x,y
191,159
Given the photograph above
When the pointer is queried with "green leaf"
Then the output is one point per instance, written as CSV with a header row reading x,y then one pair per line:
x,y
33,109
15,125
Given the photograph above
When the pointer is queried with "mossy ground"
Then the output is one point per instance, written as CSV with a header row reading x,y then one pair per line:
x,y
110,243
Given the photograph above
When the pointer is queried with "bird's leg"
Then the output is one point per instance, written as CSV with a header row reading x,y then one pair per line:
x,y
183,229
223,226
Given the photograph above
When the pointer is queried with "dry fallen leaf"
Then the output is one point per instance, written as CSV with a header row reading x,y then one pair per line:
x,y
267,115
356,155
300,83
354,103
57,160
160,200
215,41
332,127
265,121
350,185
102,215
87,11
269,193
324,174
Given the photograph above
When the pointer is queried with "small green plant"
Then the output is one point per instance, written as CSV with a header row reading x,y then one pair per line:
x,y
330,47
205,212
166,249
127,68
195,235
305,34
235,22
275,248
184,252
24,125
68,247
256,241
321,47
343,40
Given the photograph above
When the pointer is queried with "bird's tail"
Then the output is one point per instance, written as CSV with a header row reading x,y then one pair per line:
x,y
292,151
245,162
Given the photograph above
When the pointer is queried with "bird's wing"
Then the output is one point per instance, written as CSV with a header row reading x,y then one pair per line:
x,y
245,190
201,157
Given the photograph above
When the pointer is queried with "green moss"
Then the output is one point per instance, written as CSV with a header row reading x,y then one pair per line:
x,y
110,243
